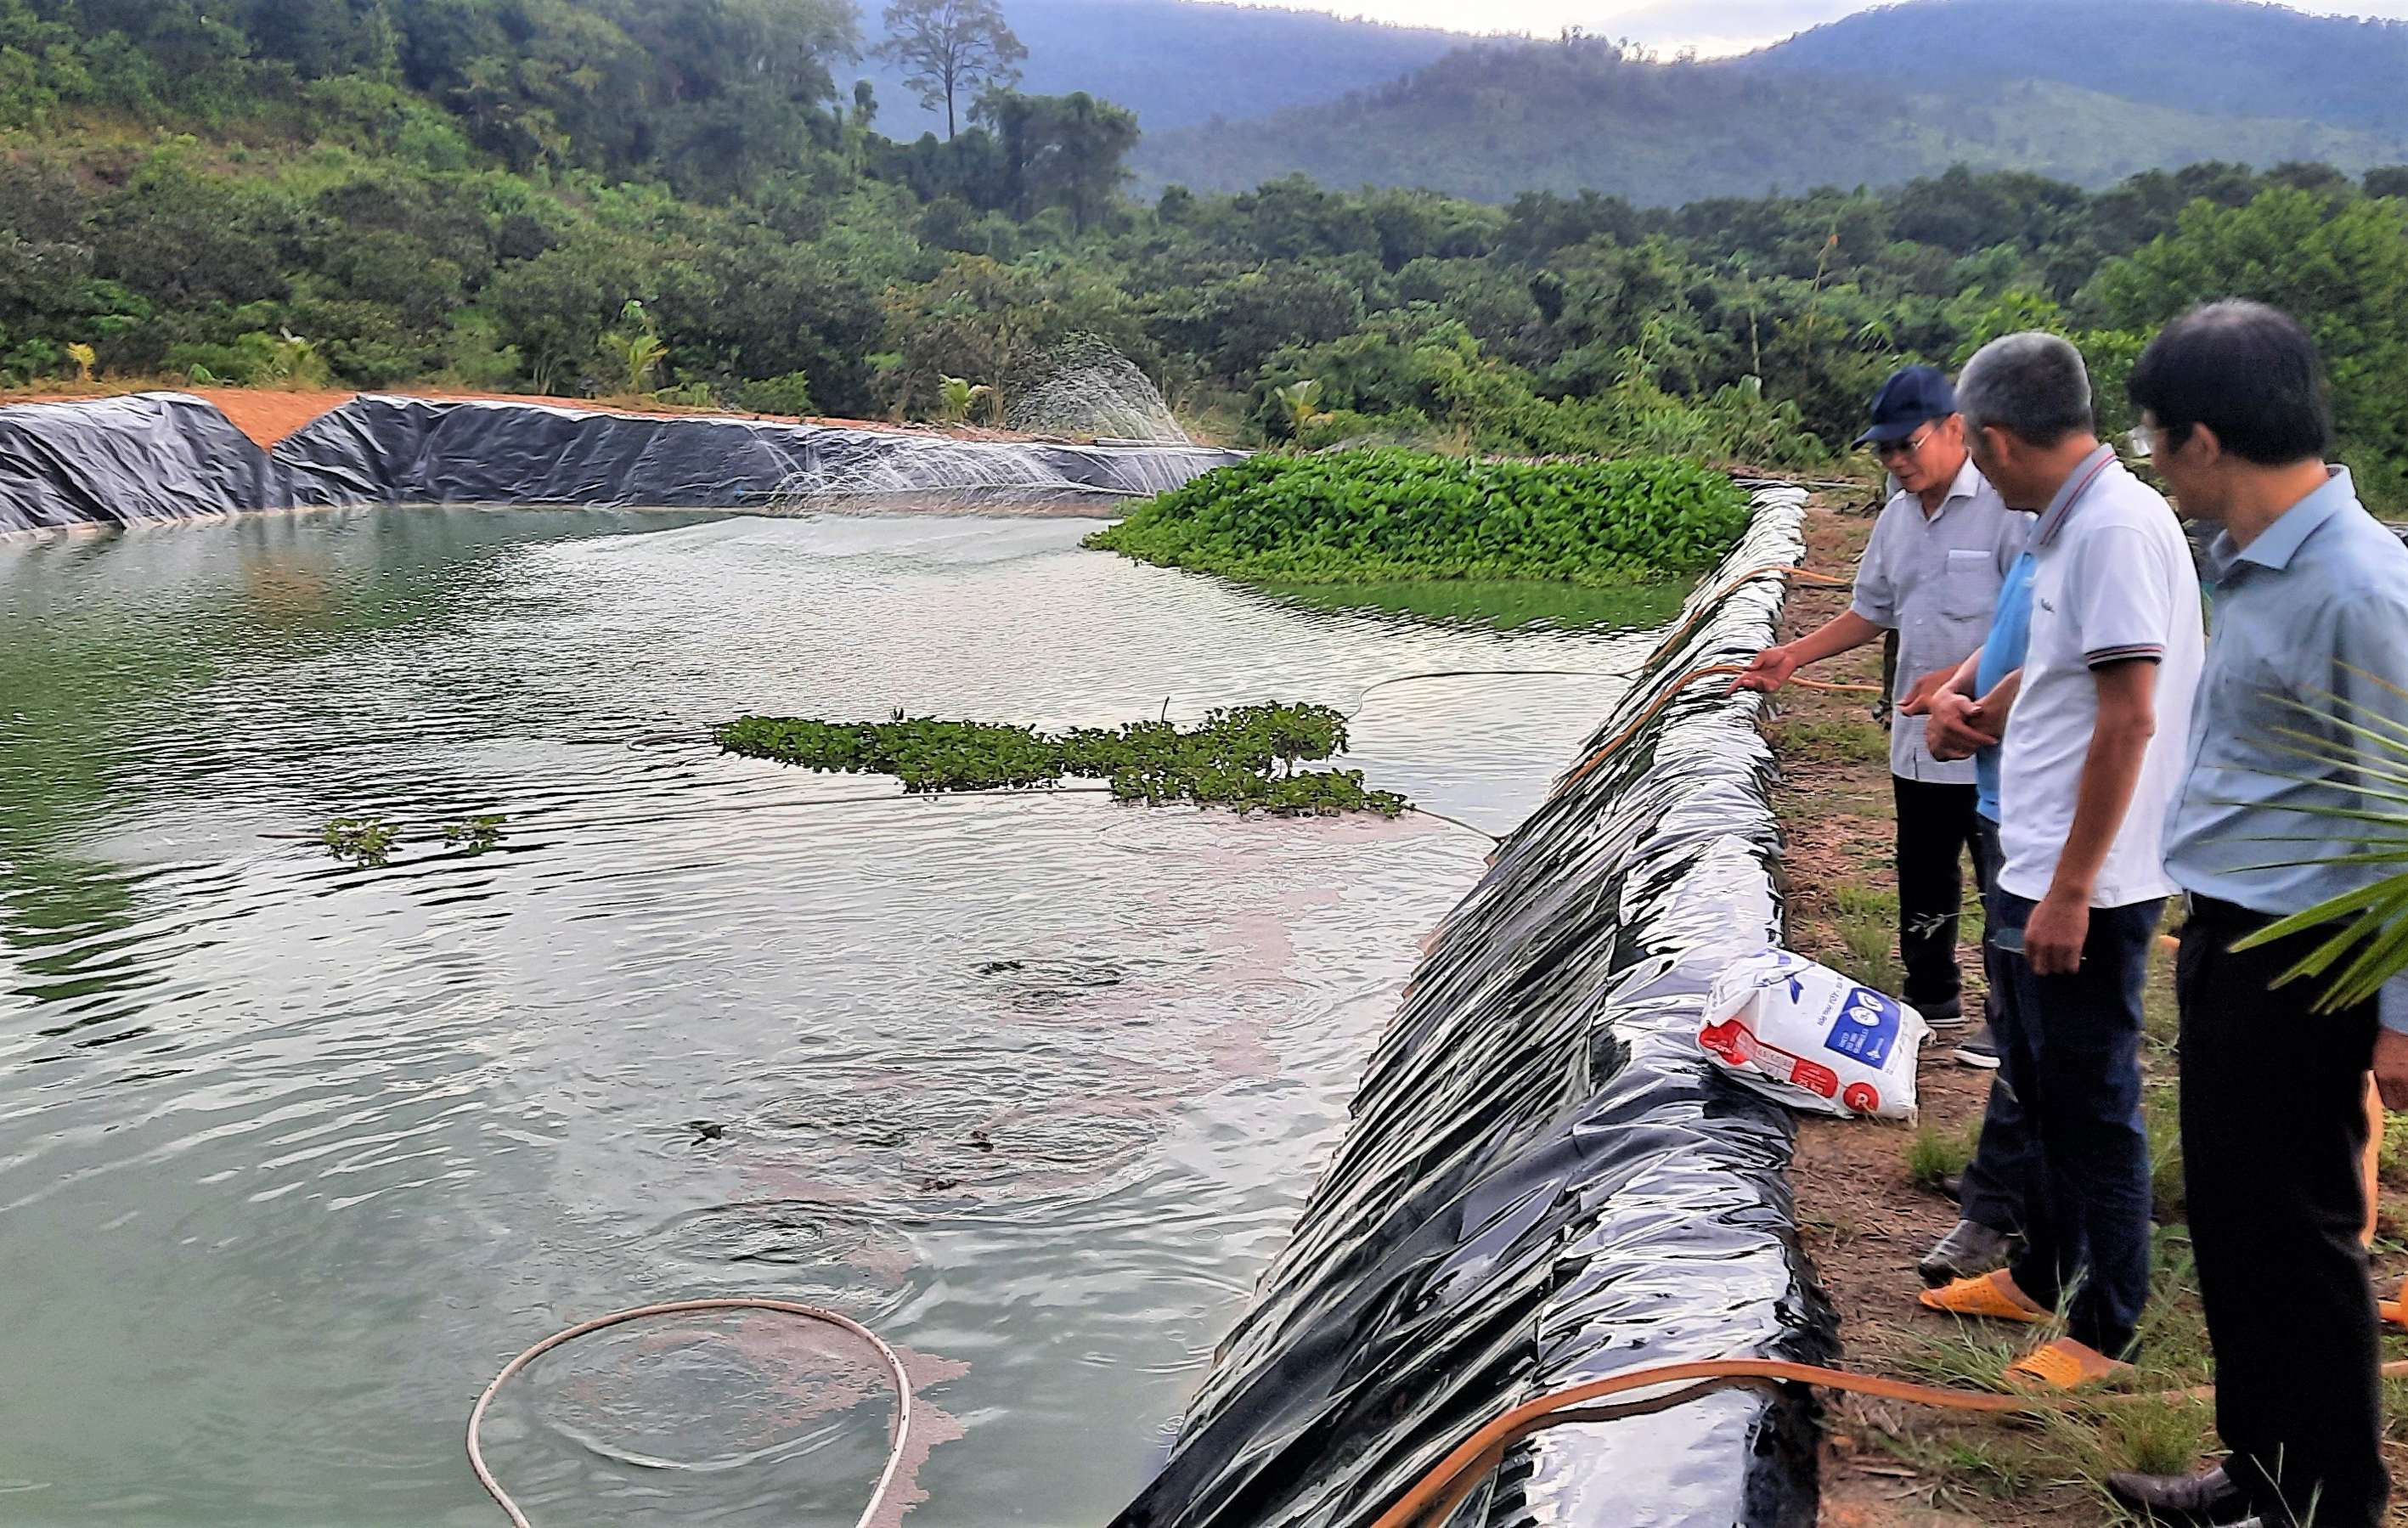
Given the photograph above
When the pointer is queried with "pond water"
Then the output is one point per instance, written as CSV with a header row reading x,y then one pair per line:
x,y
295,1153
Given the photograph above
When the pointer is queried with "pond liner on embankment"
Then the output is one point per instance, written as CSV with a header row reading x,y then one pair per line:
x,y
1544,1181
158,456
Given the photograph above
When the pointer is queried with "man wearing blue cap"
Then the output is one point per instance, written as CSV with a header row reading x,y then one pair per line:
x,y
1931,573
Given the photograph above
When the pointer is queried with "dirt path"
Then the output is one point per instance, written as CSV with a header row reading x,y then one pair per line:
x,y
1864,1219
267,415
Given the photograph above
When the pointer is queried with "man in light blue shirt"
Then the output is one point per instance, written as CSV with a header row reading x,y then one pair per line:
x,y
2309,663
1972,701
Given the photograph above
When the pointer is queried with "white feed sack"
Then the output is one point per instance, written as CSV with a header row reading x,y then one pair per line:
x,y
1809,1037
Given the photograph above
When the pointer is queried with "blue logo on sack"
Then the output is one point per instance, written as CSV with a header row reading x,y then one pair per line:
x,y
1868,1027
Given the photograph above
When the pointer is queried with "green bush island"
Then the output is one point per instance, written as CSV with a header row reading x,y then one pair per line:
x,y
1383,515
1242,757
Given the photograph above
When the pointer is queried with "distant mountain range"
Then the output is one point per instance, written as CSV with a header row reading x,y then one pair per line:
x,y
2217,57
2088,91
1176,62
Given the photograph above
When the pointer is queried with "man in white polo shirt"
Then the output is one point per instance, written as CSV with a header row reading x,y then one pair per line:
x,y
2093,754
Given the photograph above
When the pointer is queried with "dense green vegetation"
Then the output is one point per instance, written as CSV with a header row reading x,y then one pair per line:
x,y
473,192
1243,757
1386,516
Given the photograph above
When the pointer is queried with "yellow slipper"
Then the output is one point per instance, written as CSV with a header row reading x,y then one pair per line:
x,y
1992,1296
2063,1364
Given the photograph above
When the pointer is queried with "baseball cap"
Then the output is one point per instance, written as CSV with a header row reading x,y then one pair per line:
x,y
1916,394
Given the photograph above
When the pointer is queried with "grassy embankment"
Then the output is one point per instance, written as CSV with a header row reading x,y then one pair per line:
x,y
1865,1204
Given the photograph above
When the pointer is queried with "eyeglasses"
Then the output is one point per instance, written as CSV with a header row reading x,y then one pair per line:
x,y
2152,440
1887,449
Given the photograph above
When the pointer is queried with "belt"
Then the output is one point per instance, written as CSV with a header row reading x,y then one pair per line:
x,y
2208,909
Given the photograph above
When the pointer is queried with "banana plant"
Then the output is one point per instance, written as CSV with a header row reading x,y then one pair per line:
x,y
958,395
2367,942
1301,401
635,347
85,358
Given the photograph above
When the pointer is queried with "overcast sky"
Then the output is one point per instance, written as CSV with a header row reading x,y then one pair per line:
x,y
1710,26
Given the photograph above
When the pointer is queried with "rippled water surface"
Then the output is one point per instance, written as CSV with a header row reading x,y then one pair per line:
x,y
293,1154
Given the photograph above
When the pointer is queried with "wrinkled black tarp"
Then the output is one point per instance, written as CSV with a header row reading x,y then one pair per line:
x,y
1544,1181
112,461
167,456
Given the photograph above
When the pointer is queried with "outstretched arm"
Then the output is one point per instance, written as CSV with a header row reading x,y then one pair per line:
x,y
1774,666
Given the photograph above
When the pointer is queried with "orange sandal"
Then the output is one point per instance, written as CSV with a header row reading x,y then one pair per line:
x,y
2063,1364
1993,1296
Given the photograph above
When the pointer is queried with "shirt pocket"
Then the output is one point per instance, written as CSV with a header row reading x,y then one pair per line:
x,y
1969,585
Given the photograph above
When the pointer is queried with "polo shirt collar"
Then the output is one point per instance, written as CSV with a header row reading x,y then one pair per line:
x,y
2061,509
2281,541
1967,482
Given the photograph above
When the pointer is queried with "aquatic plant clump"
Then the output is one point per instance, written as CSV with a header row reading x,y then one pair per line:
x,y
1243,758
1389,515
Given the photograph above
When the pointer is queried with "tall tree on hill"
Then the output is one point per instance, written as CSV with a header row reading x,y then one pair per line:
x,y
954,48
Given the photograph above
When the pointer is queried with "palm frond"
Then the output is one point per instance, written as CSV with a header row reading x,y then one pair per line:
x,y
2366,929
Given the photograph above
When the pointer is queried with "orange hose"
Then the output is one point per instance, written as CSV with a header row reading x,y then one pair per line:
x,y
1705,606
1438,1492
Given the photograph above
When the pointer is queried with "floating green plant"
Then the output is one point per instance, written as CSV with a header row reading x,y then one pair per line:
x,y
362,840
475,834
1384,516
1242,757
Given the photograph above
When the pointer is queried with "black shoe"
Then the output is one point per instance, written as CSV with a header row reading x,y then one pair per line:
x,y
1981,1050
1969,1251
2209,1497
1940,1013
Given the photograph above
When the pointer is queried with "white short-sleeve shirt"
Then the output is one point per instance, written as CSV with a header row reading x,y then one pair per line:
x,y
1934,579
2113,581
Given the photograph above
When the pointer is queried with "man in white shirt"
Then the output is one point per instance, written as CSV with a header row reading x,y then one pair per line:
x,y
1929,576
2093,754
1930,573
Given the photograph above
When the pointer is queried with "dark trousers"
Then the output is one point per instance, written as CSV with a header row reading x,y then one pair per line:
x,y
2273,1125
1937,826
2070,1047
1997,1180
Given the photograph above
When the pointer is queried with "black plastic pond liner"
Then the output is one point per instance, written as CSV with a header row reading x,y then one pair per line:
x,y
112,461
162,456
1544,1181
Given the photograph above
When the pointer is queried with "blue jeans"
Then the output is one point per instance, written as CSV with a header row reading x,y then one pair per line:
x,y
2069,1048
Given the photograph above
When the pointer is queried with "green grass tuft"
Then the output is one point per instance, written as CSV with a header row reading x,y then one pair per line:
x,y
1933,1155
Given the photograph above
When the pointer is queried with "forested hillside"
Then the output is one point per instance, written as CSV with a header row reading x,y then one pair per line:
x,y
1179,63
2227,57
678,197
1576,115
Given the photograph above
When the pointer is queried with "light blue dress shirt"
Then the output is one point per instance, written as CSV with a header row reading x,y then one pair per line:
x,y
2002,654
2311,638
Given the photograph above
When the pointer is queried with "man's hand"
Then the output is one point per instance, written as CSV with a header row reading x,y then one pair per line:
x,y
1767,673
1957,727
2391,1068
1926,689
2056,933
